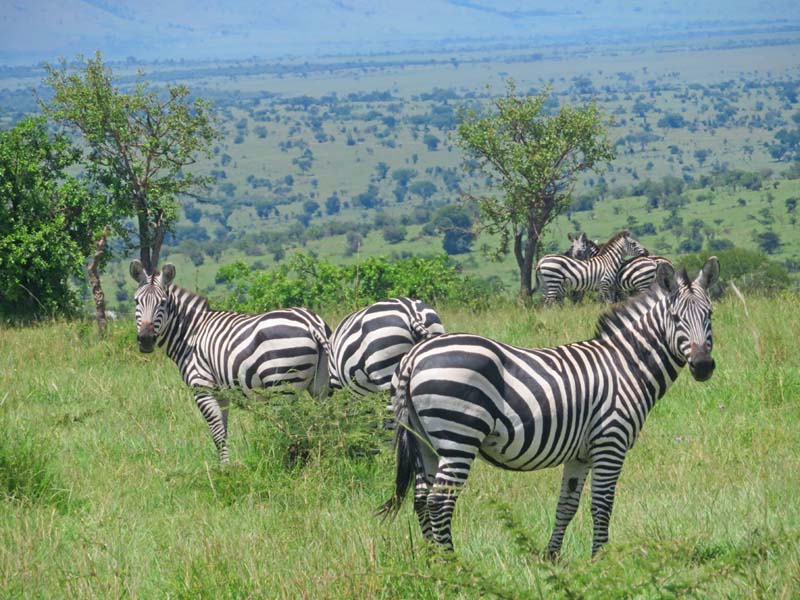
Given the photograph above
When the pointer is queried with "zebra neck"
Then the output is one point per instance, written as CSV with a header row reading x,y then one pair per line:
x,y
186,310
638,332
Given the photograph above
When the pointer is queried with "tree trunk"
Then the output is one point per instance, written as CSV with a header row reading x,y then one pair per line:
x,y
94,281
144,242
526,269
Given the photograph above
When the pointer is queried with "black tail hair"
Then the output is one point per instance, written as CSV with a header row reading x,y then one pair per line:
x,y
407,458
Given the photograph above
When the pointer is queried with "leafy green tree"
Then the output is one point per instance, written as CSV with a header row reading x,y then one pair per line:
x,y
424,188
456,224
50,221
768,241
141,143
430,141
535,159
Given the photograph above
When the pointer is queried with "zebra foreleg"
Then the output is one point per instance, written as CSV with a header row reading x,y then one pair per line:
x,y
215,412
605,474
572,481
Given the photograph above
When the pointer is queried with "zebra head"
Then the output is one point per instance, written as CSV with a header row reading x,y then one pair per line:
x,y
151,302
582,247
633,247
688,315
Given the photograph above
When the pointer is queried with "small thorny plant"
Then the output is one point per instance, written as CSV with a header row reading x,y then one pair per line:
x,y
296,429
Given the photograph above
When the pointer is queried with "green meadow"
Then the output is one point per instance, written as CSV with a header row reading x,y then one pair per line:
x,y
110,487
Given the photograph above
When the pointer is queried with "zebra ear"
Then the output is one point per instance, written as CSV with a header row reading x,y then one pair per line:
x,y
709,274
137,271
665,276
167,273
571,237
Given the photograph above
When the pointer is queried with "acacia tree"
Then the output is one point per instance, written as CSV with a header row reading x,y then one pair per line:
x,y
535,158
141,143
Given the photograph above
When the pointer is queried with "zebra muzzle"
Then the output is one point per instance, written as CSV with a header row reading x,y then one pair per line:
x,y
701,364
146,337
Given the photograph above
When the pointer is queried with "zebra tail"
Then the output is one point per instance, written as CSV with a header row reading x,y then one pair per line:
x,y
406,444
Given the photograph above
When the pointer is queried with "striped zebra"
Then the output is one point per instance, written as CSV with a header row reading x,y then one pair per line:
x,y
367,345
217,350
637,274
559,274
581,405
581,249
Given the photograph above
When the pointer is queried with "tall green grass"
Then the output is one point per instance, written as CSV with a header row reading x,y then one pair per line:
x,y
124,497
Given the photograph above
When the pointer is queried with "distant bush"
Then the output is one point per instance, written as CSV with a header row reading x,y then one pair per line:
x,y
317,283
750,270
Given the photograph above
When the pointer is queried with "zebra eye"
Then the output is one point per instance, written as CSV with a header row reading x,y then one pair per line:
x,y
675,317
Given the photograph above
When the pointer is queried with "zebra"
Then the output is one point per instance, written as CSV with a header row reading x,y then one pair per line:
x,y
217,350
367,345
582,247
637,274
581,405
559,274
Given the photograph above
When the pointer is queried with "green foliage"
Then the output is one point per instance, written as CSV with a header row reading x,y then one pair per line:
x,y
293,429
48,222
751,271
141,143
318,284
456,223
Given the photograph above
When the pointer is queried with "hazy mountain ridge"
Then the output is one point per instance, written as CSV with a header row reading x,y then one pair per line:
x,y
44,29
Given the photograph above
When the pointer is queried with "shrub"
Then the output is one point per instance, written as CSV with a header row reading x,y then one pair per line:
x,y
317,283
749,270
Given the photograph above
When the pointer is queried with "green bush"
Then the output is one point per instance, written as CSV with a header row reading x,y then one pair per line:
x,y
292,429
317,283
749,270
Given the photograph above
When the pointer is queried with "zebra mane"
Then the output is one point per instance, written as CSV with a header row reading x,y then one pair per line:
x,y
189,297
604,248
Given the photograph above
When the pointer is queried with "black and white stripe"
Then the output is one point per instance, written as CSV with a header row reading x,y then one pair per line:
x,y
368,344
637,274
559,274
217,350
582,405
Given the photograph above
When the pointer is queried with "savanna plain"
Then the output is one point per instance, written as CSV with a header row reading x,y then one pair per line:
x,y
111,487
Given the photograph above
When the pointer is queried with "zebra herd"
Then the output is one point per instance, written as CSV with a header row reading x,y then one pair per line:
x,y
458,396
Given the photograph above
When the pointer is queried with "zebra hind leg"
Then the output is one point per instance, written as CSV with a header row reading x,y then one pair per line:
x,y
450,479
422,488
572,481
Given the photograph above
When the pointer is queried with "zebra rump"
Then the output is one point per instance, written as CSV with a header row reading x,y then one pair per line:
x,y
637,274
367,346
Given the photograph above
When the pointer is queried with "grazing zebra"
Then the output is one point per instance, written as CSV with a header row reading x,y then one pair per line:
x,y
559,274
581,405
367,345
217,350
582,247
637,274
